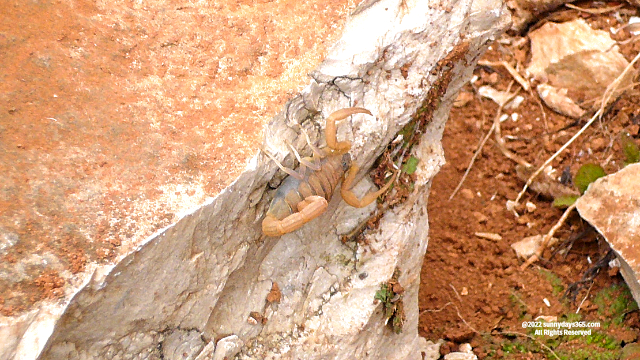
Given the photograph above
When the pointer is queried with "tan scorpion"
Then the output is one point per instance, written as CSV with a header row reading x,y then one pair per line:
x,y
305,193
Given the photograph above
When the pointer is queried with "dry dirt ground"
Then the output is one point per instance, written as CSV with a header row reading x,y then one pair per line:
x,y
472,289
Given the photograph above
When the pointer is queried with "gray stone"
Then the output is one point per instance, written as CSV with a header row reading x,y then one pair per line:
x,y
612,205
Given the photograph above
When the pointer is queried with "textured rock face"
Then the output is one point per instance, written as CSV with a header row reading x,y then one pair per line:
x,y
193,290
612,206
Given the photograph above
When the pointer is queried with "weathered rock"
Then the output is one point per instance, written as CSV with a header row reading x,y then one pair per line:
x,y
460,356
612,205
527,247
525,12
576,64
211,271
557,99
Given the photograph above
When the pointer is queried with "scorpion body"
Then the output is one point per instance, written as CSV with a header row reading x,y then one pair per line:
x,y
304,194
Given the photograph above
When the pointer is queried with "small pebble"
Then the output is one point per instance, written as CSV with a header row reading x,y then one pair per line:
x,y
480,217
531,207
465,348
467,194
488,236
598,144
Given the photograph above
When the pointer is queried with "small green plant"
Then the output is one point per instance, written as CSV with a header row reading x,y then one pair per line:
x,y
565,201
411,165
629,148
514,347
554,280
615,302
587,174
518,304
571,317
589,354
602,340
390,295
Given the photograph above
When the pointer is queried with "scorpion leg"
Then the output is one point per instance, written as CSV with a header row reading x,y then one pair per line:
x,y
303,161
316,151
293,173
351,198
308,209
330,129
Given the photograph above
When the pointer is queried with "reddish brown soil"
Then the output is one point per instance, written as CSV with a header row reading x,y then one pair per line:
x,y
472,288
116,116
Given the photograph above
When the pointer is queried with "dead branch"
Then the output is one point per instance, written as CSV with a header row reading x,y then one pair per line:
x,y
546,241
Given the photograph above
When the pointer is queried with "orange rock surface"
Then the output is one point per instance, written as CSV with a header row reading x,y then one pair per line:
x,y
117,116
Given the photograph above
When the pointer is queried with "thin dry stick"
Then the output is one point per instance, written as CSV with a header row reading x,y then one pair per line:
x,y
503,148
484,140
589,101
456,291
594,11
548,237
549,160
542,110
458,310
605,100
473,159
585,298
532,338
436,310
514,73
629,40
465,321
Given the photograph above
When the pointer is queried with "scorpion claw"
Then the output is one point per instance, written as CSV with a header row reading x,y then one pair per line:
x,y
330,129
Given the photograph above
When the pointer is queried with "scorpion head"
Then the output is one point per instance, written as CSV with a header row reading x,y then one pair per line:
x,y
346,162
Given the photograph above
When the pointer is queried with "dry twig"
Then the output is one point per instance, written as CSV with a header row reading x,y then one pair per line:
x,y
594,11
456,292
465,322
484,140
514,73
584,299
547,238
436,310
458,310
500,143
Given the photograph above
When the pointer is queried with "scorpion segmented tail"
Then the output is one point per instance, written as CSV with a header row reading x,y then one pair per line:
x,y
292,191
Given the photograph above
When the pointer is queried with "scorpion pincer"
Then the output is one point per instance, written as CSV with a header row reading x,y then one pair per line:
x,y
305,193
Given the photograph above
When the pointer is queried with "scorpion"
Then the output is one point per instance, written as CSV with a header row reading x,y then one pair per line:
x,y
305,193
